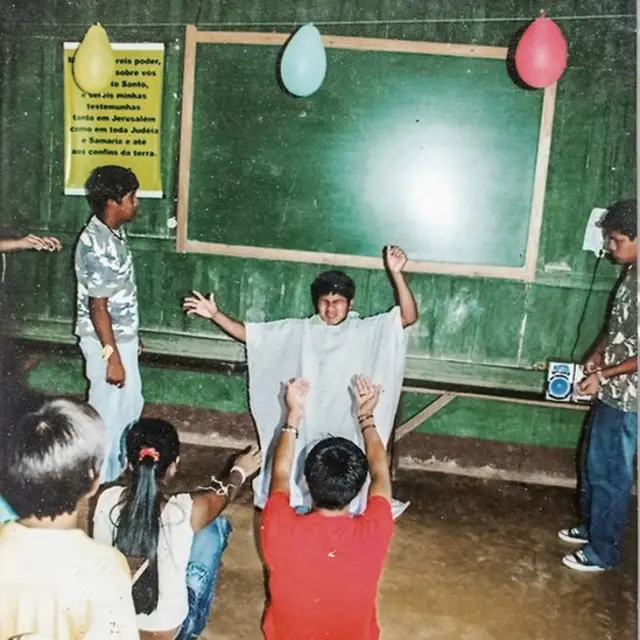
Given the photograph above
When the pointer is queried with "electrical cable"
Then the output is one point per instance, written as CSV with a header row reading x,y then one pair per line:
x,y
586,304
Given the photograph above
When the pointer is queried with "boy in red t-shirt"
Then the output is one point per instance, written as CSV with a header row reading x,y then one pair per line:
x,y
324,567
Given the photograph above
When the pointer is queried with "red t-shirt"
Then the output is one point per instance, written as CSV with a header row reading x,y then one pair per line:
x,y
323,571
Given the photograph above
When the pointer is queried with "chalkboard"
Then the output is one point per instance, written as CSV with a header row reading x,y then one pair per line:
x,y
435,153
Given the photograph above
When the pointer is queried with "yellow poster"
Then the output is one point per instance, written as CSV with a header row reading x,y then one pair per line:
x,y
119,126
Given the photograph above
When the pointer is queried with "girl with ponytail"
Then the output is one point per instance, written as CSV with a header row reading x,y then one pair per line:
x,y
177,540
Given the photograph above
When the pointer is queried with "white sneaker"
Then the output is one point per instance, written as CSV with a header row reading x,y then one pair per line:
x,y
575,535
578,561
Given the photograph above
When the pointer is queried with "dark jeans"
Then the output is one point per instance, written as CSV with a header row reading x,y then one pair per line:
x,y
607,480
202,574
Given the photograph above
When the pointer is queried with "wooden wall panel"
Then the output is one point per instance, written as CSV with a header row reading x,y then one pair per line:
x,y
469,327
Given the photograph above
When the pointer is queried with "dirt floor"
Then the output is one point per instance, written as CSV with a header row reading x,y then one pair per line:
x,y
470,560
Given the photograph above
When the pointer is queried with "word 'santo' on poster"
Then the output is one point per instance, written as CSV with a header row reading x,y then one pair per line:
x,y
119,126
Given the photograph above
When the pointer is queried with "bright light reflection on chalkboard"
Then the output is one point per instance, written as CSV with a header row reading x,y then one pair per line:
x,y
430,194
417,178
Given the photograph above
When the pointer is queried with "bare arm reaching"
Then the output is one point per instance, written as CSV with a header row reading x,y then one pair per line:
x,y
198,305
31,241
210,504
295,397
366,396
395,260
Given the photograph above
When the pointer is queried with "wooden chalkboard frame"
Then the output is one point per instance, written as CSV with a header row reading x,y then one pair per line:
x,y
194,37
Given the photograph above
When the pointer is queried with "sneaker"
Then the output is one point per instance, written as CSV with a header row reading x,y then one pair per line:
x,y
575,535
579,562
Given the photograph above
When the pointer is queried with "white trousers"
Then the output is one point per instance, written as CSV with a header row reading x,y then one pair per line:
x,y
117,407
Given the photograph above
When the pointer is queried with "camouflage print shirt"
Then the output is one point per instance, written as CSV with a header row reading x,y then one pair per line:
x,y
104,269
621,392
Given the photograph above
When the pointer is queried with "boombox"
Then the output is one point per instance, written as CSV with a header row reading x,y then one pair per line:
x,y
562,382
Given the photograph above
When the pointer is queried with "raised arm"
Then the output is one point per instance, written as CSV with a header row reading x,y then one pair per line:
x,y
29,242
366,397
208,505
198,305
295,397
395,260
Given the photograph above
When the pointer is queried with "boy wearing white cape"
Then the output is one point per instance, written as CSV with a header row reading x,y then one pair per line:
x,y
328,349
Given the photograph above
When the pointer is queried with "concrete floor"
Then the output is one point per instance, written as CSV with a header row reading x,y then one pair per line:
x,y
470,560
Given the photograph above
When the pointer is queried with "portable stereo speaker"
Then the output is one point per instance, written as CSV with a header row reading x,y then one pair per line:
x,y
562,382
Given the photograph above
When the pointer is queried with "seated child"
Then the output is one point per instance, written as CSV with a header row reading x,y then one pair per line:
x,y
177,540
54,580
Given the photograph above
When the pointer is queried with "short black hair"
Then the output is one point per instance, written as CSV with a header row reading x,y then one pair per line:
x,y
51,458
621,217
335,471
109,182
332,281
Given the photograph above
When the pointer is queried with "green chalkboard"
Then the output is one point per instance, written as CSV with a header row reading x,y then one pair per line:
x,y
434,153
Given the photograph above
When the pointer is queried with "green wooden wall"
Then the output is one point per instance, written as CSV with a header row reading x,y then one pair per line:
x,y
472,330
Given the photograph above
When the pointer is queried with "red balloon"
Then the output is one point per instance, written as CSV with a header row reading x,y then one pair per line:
x,y
541,54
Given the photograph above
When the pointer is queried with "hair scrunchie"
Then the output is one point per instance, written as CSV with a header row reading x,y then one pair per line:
x,y
150,452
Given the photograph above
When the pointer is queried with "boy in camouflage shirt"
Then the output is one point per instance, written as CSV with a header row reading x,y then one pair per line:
x,y
612,368
107,320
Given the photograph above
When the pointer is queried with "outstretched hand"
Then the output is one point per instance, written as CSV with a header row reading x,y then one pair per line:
x,y
296,394
250,461
40,243
366,394
395,258
198,305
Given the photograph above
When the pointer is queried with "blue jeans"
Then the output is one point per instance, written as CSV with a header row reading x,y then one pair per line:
x,y
202,574
607,480
117,407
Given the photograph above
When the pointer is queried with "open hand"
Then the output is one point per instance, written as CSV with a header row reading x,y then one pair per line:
x,y
40,243
249,461
367,395
395,258
198,305
296,394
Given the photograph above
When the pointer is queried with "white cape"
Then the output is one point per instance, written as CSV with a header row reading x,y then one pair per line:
x,y
329,357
